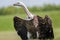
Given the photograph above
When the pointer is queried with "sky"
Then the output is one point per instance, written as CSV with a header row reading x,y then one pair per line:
x,y
29,3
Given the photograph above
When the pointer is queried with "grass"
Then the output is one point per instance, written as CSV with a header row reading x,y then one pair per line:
x,y
9,35
6,24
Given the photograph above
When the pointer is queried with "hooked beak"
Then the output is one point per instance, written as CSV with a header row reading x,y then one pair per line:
x,y
16,4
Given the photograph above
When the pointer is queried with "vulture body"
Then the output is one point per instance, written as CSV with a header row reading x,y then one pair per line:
x,y
44,28
38,27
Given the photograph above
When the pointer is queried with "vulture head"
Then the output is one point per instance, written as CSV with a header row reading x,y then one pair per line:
x,y
29,14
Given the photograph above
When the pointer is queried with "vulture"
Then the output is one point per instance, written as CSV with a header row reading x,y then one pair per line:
x,y
34,26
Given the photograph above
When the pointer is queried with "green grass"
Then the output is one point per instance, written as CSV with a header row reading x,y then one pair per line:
x,y
6,22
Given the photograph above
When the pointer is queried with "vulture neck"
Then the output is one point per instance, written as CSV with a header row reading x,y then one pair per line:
x,y
27,12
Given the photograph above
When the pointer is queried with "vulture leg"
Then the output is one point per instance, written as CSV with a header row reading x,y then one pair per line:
x,y
20,28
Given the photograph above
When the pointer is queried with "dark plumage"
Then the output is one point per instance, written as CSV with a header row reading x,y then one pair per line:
x,y
44,28
24,26
20,28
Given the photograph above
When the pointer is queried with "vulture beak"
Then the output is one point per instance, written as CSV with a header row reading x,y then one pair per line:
x,y
16,4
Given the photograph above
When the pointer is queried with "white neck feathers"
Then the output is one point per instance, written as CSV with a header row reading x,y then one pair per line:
x,y
25,9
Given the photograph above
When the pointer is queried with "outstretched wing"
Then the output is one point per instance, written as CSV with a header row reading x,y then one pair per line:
x,y
48,24
20,27
45,28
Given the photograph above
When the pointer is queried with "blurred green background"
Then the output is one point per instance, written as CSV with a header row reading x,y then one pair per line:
x,y
7,14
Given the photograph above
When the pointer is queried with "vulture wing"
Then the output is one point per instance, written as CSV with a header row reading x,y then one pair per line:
x,y
45,28
49,28
20,27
